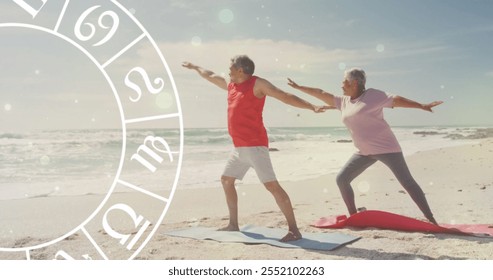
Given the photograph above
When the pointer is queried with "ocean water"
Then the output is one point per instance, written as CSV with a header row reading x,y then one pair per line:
x,y
79,162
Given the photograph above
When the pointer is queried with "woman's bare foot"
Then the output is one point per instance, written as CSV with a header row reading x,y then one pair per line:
x,y
230,228
291,236
362,209
432,220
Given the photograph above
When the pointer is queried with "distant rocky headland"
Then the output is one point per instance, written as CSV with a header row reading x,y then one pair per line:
x,y
461,133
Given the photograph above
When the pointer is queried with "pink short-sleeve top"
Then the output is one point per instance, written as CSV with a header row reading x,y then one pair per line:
x,y
364,119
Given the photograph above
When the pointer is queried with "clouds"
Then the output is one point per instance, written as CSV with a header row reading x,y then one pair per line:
x,y
281,58
271,57
397,43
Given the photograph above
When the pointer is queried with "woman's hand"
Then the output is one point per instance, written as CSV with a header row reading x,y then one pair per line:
x,y
293,84
428,107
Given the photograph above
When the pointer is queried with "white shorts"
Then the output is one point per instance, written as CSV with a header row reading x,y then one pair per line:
x,y
242,158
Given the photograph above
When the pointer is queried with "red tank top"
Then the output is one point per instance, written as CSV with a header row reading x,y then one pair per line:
x,y
245,122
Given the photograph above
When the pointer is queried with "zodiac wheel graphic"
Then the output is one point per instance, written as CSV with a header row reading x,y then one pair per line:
x,y
101,48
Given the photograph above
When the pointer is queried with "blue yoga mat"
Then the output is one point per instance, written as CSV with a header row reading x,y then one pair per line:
x,y
250,234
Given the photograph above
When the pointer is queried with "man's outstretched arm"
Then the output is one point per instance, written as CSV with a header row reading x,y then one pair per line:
x,y
208,75
315,92
266,88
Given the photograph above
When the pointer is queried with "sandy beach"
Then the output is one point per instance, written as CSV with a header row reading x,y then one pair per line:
x,y
456,180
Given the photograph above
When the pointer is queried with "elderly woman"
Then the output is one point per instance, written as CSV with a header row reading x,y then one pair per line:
x,y
362,113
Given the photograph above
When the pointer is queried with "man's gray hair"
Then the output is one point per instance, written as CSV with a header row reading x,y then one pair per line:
x,y
358,75
245,63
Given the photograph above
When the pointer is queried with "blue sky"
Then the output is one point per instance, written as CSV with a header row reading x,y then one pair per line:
x,y
423,50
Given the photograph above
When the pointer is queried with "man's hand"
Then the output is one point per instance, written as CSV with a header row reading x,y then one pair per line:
x,y
321,109
188,65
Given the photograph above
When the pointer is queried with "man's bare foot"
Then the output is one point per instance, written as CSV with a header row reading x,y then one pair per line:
x,y
230,228
291,236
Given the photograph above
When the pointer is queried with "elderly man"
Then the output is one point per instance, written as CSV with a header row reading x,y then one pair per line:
x,y
246,98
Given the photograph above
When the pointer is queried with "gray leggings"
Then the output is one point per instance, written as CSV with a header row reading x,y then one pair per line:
x,y
395,161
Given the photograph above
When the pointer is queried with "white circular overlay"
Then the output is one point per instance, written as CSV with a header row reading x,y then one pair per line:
x,y
91,131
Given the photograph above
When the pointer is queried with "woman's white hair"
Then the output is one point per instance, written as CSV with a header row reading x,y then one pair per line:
x,y
358,75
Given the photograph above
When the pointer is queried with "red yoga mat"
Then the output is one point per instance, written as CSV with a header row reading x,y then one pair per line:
x,y
385,220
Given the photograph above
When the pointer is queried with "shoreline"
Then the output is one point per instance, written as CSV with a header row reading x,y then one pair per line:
x,y
314,152
477,139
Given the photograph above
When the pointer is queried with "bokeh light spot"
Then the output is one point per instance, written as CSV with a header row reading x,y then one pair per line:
x,y
380,48
363,187
45,160
164,101
226,16
196,41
